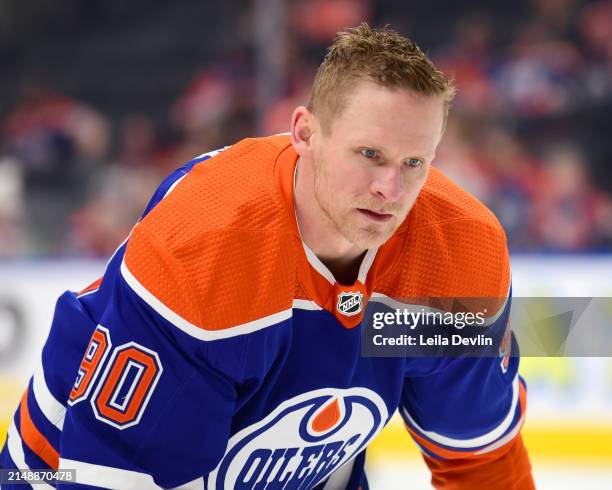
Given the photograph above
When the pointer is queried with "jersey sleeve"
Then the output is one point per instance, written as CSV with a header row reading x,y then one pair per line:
x,y
122,396
465,414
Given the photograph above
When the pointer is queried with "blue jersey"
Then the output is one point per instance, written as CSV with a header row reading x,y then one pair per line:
x,y
217,351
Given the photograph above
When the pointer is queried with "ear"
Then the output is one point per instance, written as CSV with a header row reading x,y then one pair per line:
x,y
302,125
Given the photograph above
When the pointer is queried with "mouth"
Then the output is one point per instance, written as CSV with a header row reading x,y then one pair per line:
x,y
372,215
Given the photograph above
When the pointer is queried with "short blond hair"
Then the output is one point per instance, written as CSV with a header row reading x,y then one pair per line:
x,y
380,55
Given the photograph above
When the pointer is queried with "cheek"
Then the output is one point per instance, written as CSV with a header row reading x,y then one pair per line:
x,y
415,184
345,178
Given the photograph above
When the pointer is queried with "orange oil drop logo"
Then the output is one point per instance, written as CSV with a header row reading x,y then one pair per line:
x,y
327,418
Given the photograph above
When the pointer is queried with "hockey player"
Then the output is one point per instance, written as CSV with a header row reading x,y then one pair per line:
x,y
222,346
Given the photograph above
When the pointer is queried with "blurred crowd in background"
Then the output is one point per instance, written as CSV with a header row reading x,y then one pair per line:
x,y
100,100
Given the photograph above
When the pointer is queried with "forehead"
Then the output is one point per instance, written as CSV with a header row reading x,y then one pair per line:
x,y
397,118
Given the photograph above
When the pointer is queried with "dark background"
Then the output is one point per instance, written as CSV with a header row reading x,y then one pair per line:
x,y
99,100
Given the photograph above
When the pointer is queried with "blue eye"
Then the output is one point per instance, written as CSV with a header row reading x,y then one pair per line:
x,y
414,162
368,153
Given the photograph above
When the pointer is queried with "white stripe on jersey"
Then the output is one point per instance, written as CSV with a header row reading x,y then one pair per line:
x,y
340,478
197,484
508,437
305,304
191,329
15,449
212,153
174,184
53,410
488,438
107,476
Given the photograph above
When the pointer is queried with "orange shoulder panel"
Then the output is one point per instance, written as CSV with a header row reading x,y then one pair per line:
x,y
219,250
450,245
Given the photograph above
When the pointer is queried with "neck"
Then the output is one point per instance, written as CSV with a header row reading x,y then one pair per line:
x,y
318,231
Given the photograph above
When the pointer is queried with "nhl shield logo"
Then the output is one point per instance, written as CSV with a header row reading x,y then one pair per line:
x,y
350,303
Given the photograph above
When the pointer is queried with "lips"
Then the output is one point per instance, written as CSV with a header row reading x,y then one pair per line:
x,y
374,216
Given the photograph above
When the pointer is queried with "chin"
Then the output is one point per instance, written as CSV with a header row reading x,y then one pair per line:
x,y
367,239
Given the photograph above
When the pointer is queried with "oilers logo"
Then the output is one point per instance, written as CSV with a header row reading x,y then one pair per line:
x,y
350,303
302,442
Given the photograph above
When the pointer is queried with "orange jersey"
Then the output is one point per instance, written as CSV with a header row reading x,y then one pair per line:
x,y
233,218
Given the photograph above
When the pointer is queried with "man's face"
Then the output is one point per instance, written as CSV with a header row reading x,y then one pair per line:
x,y
371,164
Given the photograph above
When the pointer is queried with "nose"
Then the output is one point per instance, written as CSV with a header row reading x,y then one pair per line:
x,y
388,184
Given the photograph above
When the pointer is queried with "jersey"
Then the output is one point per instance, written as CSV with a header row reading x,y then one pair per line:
x,y
217,351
